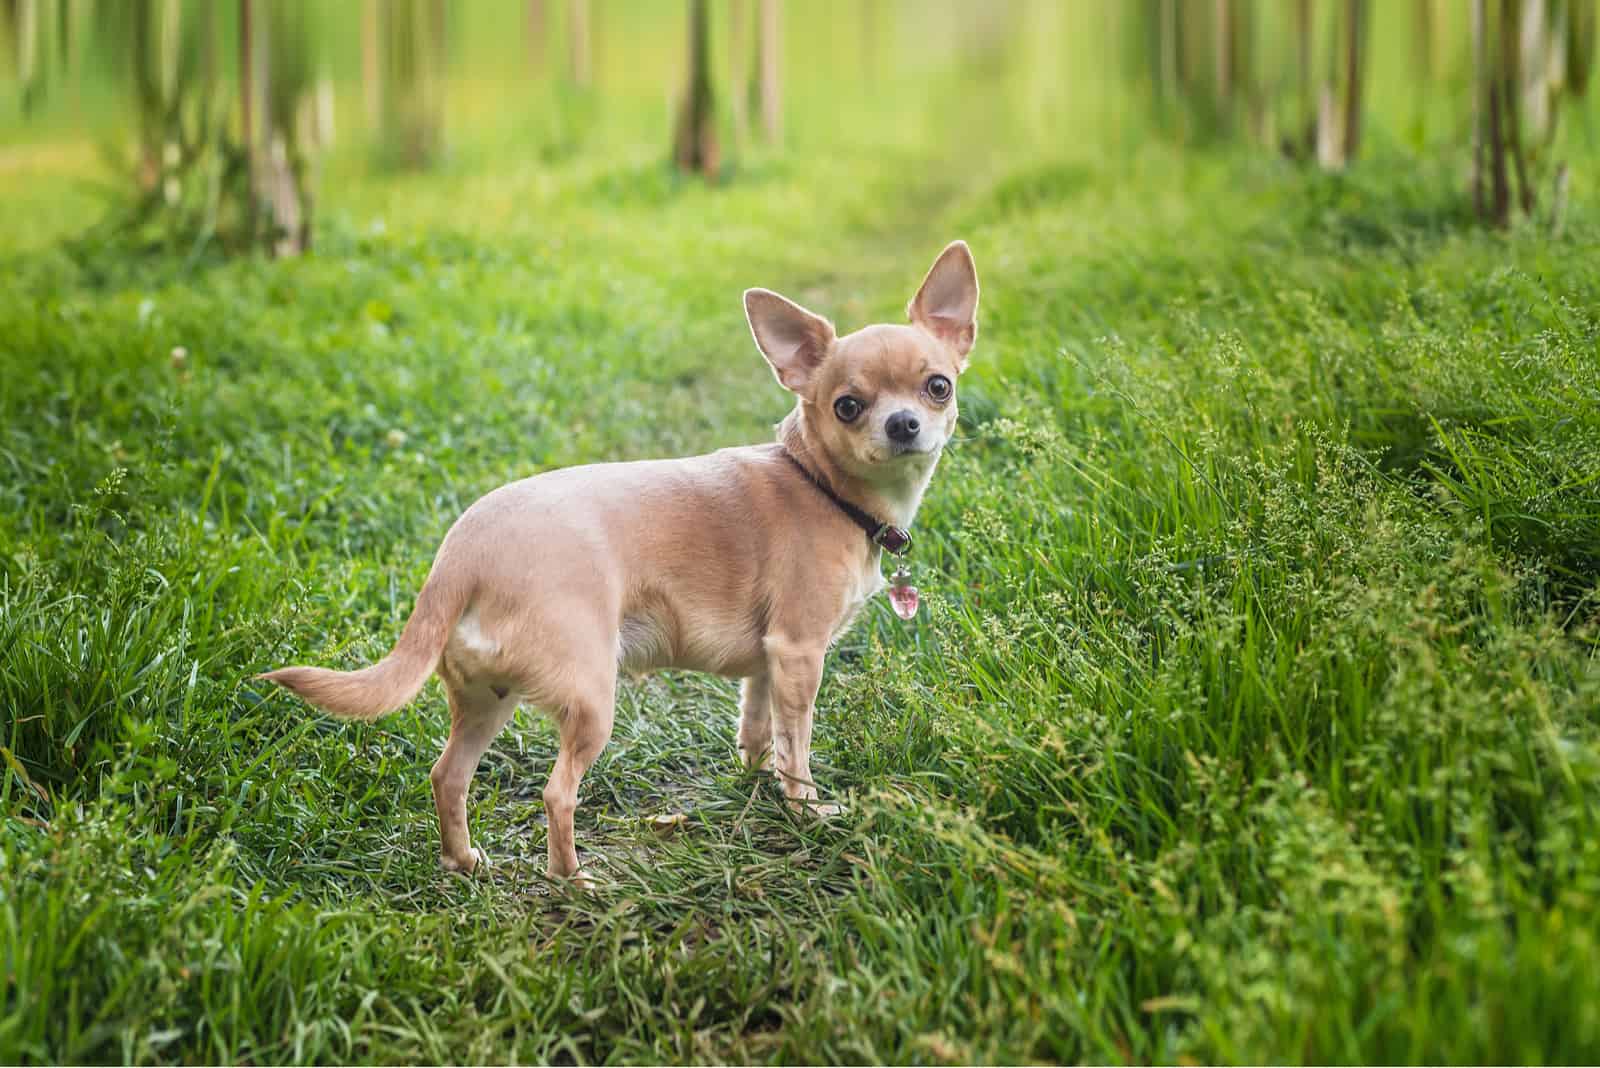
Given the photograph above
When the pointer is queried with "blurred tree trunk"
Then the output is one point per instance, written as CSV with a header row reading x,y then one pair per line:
x,y
412,36
695,149
1223,54
1423,45
29,67
1423,57
1248,94
284,76
1167,51
1501,203
1580,45
371,61
738,72
1339,109
1480,105
537,37
1528,57
1304,21
771,53
247,88
578,34
1510,86
1355,28
147,96
260,76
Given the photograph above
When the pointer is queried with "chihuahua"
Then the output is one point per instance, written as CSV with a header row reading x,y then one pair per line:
x,y
747,562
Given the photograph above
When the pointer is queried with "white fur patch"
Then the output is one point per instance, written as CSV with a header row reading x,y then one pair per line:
x,y
472,637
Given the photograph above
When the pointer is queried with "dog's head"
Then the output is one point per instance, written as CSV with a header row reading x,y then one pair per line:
x,y
881,401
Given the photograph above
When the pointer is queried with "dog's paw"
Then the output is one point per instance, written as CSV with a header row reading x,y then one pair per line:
x,y
474,860
755,758
579,881
812,807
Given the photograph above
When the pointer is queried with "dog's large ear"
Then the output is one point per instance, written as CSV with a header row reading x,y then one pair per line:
x,y
793,340
947,304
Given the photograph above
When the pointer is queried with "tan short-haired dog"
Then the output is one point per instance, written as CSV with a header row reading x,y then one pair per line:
x,y
747,562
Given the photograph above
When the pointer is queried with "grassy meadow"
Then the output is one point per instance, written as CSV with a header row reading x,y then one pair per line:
x,y
1253,716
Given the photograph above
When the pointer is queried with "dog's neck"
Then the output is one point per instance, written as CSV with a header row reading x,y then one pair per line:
x,y
892,501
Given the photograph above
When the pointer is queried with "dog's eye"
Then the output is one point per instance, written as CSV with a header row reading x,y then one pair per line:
x,y
939,388
847,408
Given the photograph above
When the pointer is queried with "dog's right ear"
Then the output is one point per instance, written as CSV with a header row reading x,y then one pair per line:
x,y
794,341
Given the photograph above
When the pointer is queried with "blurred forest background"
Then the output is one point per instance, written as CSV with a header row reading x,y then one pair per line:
x,y
225,118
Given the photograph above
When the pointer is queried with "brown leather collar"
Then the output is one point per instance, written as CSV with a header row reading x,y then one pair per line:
x,y
891,539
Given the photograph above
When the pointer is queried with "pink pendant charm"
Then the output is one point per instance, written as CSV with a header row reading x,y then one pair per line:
x,y
902,595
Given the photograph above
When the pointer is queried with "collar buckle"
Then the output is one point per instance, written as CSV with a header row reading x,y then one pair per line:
x,y
892,539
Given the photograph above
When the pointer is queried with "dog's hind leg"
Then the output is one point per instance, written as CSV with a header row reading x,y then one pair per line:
x,y
585,719
477,714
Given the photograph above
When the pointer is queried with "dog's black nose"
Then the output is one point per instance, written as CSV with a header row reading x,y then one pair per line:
x,y
902,427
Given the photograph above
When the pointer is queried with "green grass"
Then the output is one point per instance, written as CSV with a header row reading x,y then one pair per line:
x,y
1255,715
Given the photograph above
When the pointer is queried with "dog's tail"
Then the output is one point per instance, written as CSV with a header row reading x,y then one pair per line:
x,y
391,682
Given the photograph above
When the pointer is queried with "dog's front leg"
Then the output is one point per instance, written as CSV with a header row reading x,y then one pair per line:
x,y
794,669
755,720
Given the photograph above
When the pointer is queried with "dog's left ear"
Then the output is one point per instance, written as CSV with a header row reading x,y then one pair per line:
x,y
947,304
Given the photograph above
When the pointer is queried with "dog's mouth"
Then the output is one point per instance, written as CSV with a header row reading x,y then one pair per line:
x,y
899,449
896,455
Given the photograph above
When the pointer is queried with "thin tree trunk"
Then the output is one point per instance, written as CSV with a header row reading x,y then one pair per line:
x,y
578,43
1514,148
1330,122
439,61
247,88
168,16
1423,57
1224,55
1533,84
1424,42
146,96
1497,159
771,73
536,19
738,84
1510,84
371,61
75,14
1355,65
262,78
1330,150
695,150
1169,52
27,26
1481,79
1308,96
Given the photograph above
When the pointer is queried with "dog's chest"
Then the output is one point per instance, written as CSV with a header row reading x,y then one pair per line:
x,y
864,585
